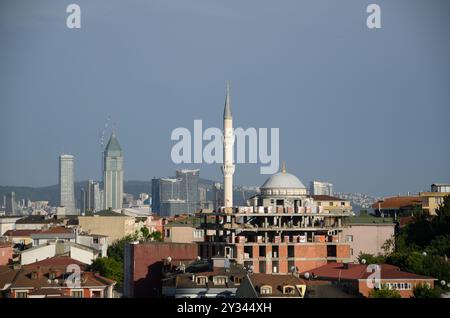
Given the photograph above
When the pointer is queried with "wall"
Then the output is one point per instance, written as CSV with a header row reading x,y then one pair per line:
x,y
143,265
115,227
6,254
82,255
365,290
368,238
37,254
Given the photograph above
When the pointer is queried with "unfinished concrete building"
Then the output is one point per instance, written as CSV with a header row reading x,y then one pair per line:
x,y
282,229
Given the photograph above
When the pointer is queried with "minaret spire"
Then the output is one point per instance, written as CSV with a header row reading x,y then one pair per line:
x,y
228,141
283,167
227,109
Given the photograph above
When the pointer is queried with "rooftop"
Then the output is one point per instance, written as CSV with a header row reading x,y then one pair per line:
x,y
369,219
277,282
395,203
337,271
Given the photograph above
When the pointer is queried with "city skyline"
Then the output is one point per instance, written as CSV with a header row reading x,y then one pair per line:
x,y
356,133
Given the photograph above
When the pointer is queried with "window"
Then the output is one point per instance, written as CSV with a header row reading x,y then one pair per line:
x,y
349,238
167,233
237,280
319,203
289,290
95,240
266,290
198,234
331,203
398,286
77,293
220,280
201,280
52,275
22,294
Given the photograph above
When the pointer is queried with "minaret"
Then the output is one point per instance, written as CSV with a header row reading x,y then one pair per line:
x,y
228,141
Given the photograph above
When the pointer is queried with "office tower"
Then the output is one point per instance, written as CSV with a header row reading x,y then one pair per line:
x,y
91,197
320,188
228,141
189,189
113,174
10,204
66,183
163,191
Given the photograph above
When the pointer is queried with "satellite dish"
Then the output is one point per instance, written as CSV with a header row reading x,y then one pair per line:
x,y
306,275
293,269
198,258
424,253
363,261
169,259
443,282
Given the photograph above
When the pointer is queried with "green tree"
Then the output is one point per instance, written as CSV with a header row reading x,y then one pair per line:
x,y
370,258
156,236
414,263
425,291
384,292
145,232
109,268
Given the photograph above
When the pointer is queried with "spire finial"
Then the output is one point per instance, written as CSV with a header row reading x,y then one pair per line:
x,y
227,110
283,167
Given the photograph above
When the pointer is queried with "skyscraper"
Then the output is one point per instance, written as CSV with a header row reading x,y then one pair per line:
x,y
91,197
166,196
66,183
228,141
189,188
10,203
113,174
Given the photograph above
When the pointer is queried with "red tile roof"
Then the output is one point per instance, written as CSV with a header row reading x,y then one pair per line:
x,y
394,203
17,233
326,198
56,261
56,230
337,271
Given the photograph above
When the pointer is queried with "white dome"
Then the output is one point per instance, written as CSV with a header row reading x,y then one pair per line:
x,y
283,180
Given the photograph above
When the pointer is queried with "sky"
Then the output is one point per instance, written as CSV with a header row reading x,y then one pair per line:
x,y
365,109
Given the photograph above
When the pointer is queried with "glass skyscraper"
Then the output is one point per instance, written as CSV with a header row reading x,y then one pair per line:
x,y
66,183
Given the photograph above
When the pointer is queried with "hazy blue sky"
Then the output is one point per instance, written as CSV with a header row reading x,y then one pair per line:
x,y
365,109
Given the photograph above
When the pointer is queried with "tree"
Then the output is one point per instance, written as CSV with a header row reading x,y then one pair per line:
x,y
145,232
156,236
384,292
414,263
370,258
109,268
425,291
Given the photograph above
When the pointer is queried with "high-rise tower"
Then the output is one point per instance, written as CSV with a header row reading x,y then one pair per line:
x,y
228,142
113,174
66,183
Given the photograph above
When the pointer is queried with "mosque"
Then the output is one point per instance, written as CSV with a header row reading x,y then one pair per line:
x,y
281,230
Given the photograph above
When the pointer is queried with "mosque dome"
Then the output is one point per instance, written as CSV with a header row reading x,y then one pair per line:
x,y
283,183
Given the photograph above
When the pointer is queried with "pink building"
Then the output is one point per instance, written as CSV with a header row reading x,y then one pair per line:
x,y
6,253
367,235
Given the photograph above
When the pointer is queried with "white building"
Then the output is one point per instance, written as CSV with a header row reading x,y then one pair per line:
x,y
66,183
320,188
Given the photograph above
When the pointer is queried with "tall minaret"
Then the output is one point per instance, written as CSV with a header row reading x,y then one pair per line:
x,y
228,141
